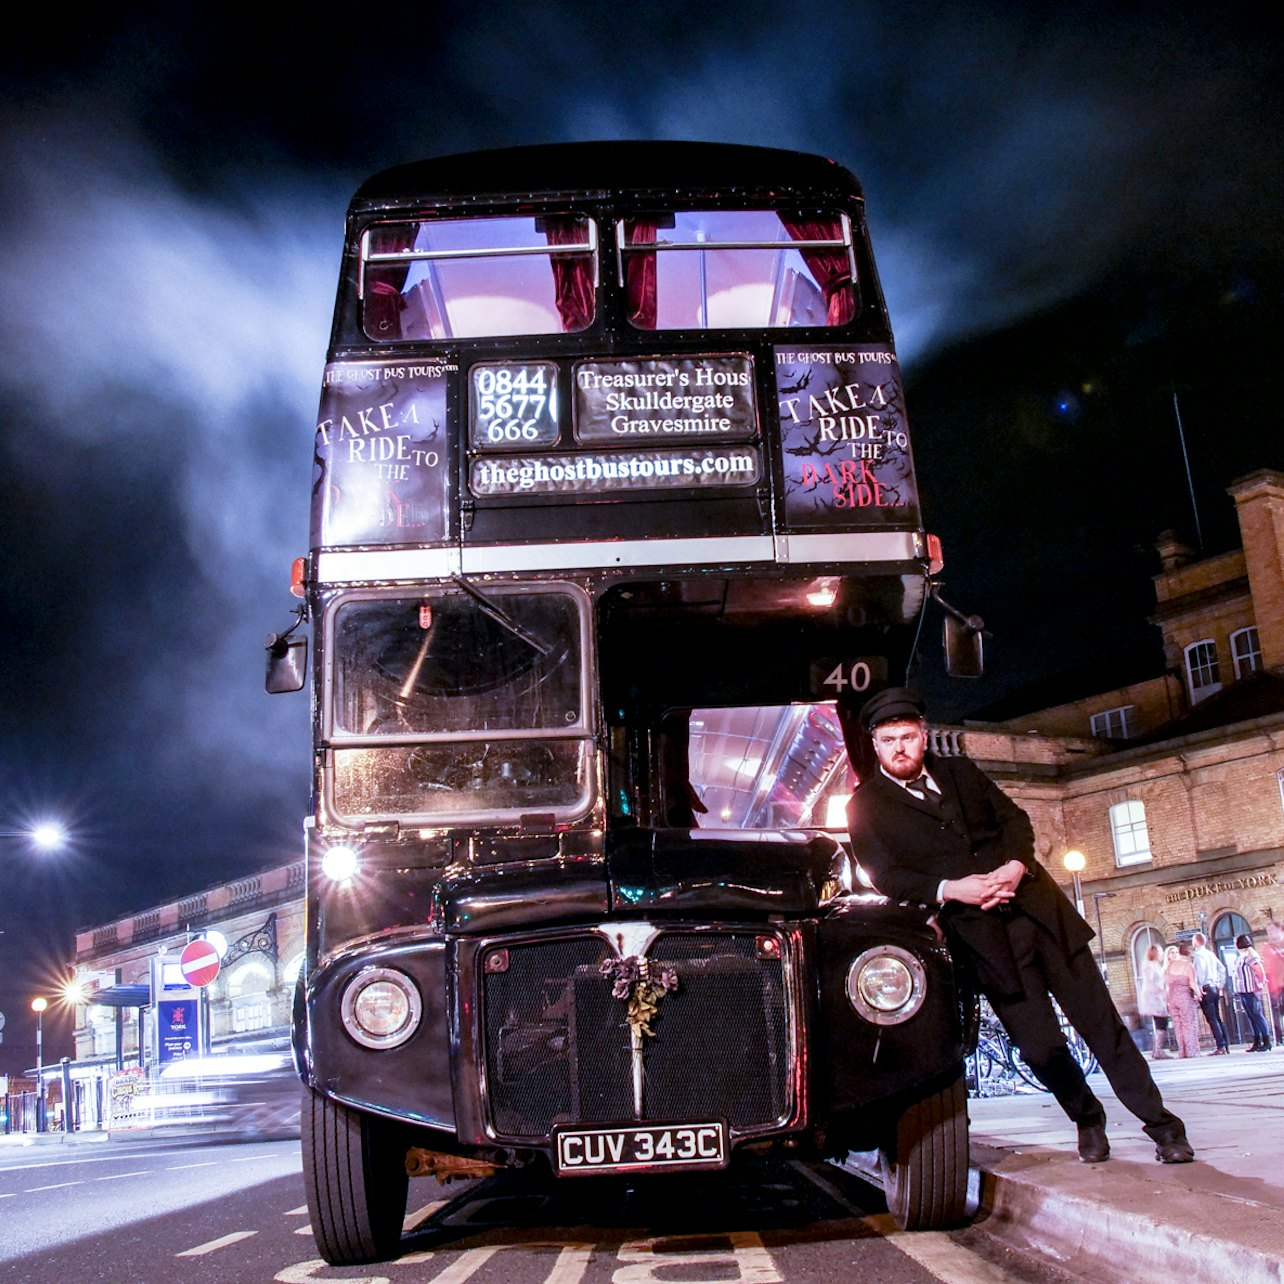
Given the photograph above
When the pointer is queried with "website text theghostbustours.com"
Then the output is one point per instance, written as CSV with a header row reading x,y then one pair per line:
x,y
631,470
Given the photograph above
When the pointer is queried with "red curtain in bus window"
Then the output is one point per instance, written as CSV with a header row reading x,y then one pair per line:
x,y
639,273
831,268
382,306
572,274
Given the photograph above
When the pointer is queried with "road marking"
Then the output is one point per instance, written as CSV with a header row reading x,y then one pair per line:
x,y
178,1168
752,1261
935,1251
301,1211
305,1229
467,1265
58,1185
412,1220
306,1272
572,1262
222,1242
140,1172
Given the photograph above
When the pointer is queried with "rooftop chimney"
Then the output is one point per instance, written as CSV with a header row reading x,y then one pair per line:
x,y
1173,554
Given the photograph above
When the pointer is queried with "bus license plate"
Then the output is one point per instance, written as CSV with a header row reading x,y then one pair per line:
x,y
595,1150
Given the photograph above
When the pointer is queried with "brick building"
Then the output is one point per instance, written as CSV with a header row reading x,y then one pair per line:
x,y
1172,786
260,919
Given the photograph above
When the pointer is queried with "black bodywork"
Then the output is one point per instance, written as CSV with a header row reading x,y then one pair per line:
x,y
505,929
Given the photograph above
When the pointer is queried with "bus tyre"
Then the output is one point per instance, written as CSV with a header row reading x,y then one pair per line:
x,y
925,1168
354,1169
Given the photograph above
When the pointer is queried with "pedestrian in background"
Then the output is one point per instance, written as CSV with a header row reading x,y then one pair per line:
x,y
1273,959
1182,994
1250,985
1150,1001
1210,976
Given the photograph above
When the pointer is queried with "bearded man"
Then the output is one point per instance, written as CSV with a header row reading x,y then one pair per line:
x,y
937,831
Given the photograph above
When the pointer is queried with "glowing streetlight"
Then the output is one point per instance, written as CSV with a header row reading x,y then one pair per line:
x,y
74,992
47,836
1074,861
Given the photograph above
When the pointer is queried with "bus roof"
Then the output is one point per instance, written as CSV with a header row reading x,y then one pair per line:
x,y
559,168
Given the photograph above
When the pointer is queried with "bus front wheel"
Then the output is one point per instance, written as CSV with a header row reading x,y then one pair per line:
x,y
354,1169
925,1165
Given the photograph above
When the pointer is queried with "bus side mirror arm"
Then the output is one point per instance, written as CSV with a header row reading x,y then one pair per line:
x,y
964,640
287,658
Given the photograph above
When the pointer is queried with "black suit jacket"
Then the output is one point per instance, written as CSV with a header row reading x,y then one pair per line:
x,y
907,846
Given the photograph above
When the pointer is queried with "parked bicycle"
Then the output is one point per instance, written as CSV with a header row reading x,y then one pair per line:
x,y
997,1069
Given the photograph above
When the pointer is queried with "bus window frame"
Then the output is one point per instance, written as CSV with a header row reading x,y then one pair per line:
x,y
590,248
667,216
582,733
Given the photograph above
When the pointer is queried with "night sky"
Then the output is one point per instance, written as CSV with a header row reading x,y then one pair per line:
x,y
1076,213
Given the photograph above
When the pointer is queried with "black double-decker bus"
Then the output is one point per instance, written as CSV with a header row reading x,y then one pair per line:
x,y
614,524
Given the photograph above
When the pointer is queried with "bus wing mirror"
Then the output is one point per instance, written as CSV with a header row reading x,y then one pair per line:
x,y
964,646
287,660
964,640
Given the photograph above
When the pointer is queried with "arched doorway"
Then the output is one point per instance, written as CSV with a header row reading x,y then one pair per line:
x,y
1142,939
1226,927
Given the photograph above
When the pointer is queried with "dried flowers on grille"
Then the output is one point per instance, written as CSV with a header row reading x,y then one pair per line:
x,y
632,980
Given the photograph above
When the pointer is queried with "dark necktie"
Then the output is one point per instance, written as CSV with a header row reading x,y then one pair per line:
x,y
918,787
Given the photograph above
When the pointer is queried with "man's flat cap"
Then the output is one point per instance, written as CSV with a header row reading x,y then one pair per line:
x,y
890,705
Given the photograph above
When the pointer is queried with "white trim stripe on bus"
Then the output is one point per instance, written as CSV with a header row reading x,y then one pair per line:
x,y
441,563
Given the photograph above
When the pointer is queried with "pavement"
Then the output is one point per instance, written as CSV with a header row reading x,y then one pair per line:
x,y
1131,1218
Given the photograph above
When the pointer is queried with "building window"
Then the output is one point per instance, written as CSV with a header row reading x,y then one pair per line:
x,y
1115,724
1246,651
1202,674
1132,839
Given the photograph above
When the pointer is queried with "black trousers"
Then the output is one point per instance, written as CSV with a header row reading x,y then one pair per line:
x,y
1076,984
1210,1003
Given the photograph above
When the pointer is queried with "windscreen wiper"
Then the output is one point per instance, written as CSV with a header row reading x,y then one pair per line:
x,y
502,617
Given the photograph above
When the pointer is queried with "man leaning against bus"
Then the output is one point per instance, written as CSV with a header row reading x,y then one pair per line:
x,y
938,831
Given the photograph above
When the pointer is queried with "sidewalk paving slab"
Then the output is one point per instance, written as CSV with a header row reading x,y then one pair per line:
x,y
1132,1218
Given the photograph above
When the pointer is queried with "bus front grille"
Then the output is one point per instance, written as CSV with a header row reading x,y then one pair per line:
x,y
559,1046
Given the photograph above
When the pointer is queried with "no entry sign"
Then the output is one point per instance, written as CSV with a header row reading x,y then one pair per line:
x,y
198,963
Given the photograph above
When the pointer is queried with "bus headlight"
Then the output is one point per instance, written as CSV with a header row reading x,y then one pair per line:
x,y
339,863
886,985
381,1008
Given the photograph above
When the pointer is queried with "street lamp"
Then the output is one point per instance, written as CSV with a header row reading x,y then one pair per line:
x,y
1097,898
47,836
1074,861
38,1006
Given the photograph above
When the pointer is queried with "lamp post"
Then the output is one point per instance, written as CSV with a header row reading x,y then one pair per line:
x,y
1097,898
38,1006
1074,861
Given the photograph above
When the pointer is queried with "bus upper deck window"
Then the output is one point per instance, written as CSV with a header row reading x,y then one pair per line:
x,y
736,269
467,278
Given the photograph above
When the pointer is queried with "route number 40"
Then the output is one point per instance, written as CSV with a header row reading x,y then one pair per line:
x,y
856,676
831,677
